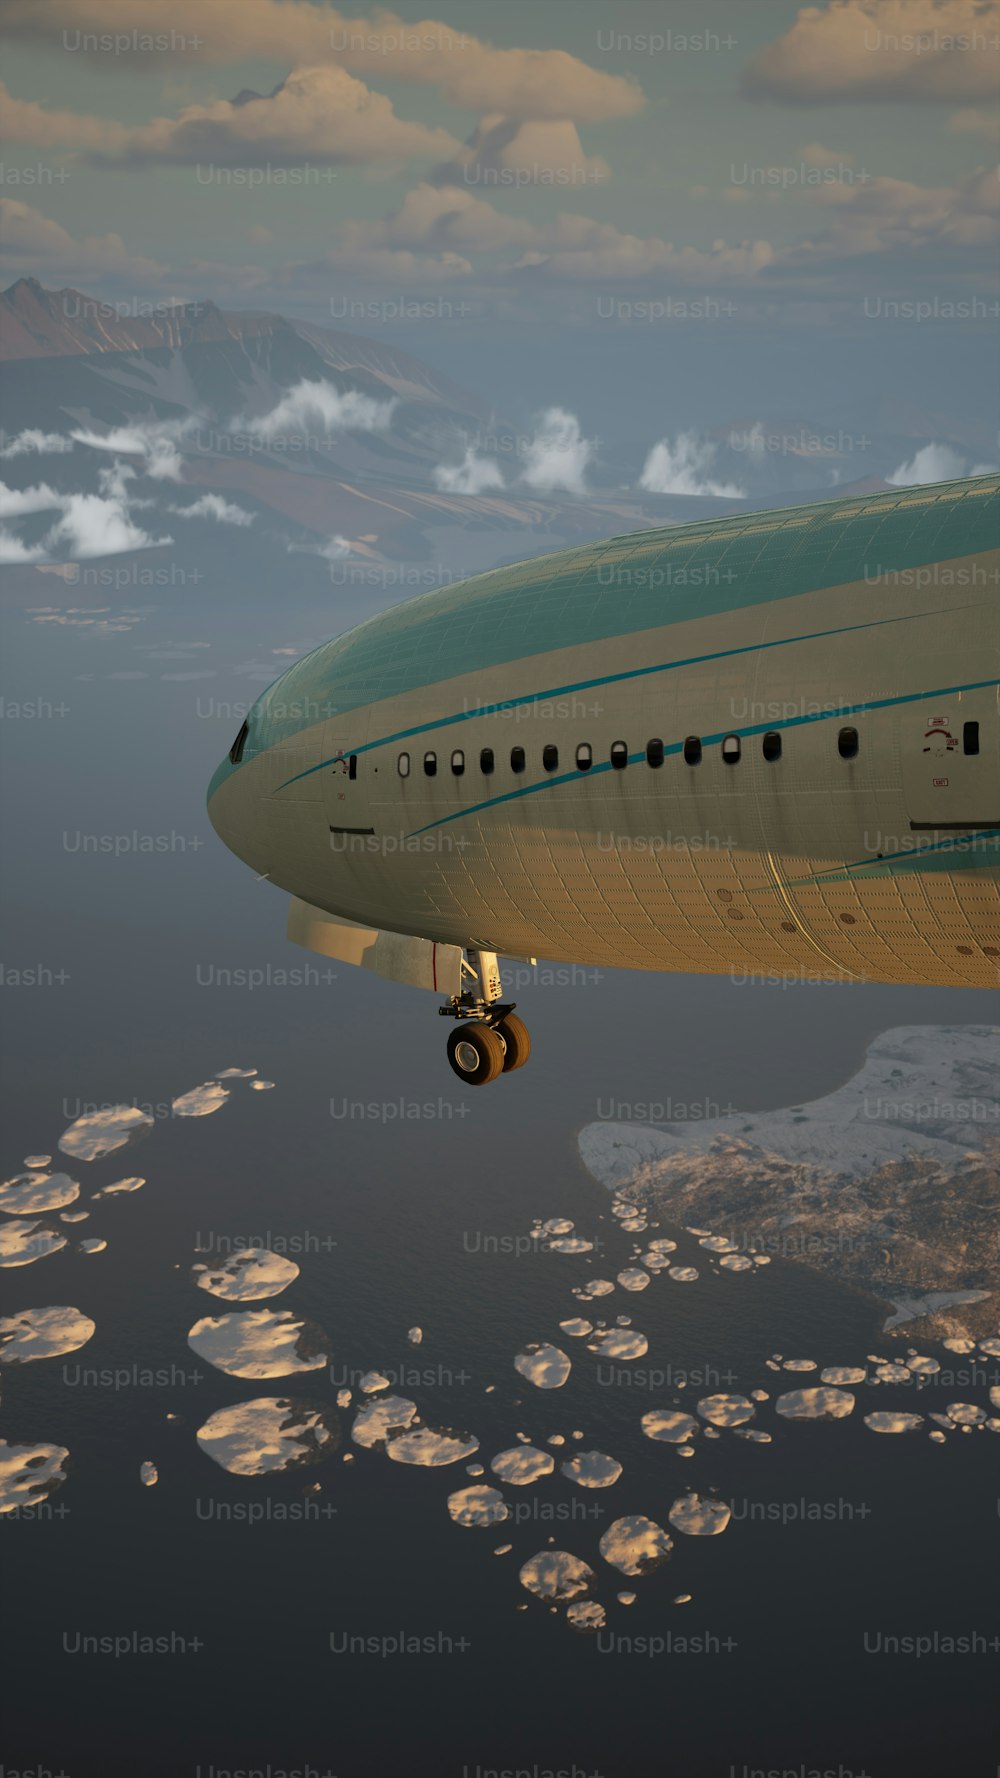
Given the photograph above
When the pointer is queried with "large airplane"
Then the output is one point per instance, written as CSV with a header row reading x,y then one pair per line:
x,y
766,744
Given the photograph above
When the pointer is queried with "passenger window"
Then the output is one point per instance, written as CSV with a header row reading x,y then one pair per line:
x,y
550,757
847,743
236,750
458,762
771,745
654,753
970,737
486,761
731,749
692,750
403,765
517,759
619,755
352,766
584,756
430,765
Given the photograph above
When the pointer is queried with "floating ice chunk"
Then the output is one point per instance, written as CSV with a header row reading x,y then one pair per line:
x,y
585,1615
431,1447
260,1343
683,1274
923,1367
799,1364
888,1421
576,1327
21,1243
634,1225
201,1101
235,1073
569,1244
626,1598
965,1413
995,1398
662,1245
503,1549
474,1469
43,1333
268,1434
94,1244
556,1574
378,1420
893,1373
149,1475
478,1506
736,1262
592,1469
669,1425
28,1193
415,1335
716,1244
990,1347
937,1438
815,1404
618,1342
98,1133
543,1365
522,1464
29,1474
959,1345
373,1382
635,1544
633,1278
37,1160
344,1398
726,1410
74,1216
556,1225
697,1515
843,1373
753,1434
132,1184
247,1276
261,1086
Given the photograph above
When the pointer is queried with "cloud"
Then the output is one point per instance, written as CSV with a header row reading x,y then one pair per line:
x,y
13,551
333,551
514,152
33,440
319,114
93,526
474,475
113,482
24,121
322,405
557,456
155,441
212,506
971,122
578,247
470,74
895,216
14,502
881,49
681,468
30,242
936,463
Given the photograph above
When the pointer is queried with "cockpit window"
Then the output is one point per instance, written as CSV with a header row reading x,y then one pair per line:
x,y
236,750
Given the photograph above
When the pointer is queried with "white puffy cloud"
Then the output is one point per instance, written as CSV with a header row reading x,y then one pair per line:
x,y
320,405
157,442
93,526
14,502
681,467
212,506
470,74
32,440
30,242
556,457
13,552
514,152
882,49
936,463
27,122
334,550
474,475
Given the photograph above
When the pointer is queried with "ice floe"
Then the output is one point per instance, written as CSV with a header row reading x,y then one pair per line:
x,y
887,1420
633,1278
201,1101
149,1475
28,1193
247,1276
669,1425
635,1544
576,1327
815,1404
21,1243
618,1342
556,1574
29,1474
98,1133
268,1434
120,1186
843,1373
591,1469
726,1410
260,1343
697,1515
522,1464
478,1507
43,1333
379,1420
586,1614
430,1447
547,1367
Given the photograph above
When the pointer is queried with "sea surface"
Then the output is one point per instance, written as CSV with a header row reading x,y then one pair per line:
x,y
358,1631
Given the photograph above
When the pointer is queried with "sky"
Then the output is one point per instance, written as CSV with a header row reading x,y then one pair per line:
x,y
546,162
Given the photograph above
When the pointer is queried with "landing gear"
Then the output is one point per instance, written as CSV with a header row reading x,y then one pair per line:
x,y
488,1039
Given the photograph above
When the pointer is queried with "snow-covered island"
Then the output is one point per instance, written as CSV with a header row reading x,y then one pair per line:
x,y
890,1183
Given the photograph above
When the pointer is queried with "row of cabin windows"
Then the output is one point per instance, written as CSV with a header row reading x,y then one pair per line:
x,y
848,746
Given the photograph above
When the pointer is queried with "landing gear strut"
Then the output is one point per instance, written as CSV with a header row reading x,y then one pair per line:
x,y
488,1038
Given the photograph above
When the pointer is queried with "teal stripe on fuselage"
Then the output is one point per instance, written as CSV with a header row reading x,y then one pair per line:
x,y
562,691
760,728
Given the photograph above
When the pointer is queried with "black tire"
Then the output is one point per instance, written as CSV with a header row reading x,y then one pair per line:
x,y
476,1053
517,1039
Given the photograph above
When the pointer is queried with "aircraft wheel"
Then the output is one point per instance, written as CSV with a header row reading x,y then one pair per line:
x,y
516,1037
476,1053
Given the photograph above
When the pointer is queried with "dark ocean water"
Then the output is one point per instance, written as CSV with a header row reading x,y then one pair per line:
x,y
778,1660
